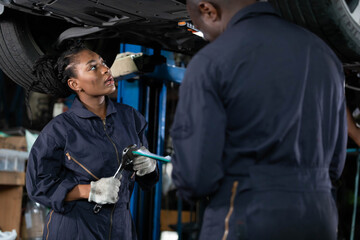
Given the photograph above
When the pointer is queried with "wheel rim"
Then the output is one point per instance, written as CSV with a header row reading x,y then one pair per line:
x,y
353,7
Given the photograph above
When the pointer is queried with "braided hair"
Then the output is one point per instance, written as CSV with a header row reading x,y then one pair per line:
x,y
53,71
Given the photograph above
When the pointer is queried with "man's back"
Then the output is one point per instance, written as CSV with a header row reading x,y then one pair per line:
x,y
263,108
282,90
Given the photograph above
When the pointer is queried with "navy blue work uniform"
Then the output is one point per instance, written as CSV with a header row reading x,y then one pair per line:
x,y
260,130
75,148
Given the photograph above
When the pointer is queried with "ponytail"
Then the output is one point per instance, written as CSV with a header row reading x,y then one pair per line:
x,y
48,78
53,71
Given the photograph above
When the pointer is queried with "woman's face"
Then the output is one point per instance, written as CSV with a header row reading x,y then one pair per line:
x,y
93,76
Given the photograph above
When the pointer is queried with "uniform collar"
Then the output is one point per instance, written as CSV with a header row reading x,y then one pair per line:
x,y
81,111
252,10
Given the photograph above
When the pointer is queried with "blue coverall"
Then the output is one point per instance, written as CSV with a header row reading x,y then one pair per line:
x,y
260,131
75,148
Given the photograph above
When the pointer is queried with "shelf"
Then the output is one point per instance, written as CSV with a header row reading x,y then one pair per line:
x,y
12,178
11,191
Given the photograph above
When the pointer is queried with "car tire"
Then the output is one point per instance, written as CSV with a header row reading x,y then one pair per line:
x,y
24,38
17,50
332,20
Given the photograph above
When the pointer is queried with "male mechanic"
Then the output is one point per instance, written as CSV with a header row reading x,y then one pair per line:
x,y
260,127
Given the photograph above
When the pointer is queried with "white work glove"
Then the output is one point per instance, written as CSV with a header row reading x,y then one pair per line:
x,y
143,165
105,190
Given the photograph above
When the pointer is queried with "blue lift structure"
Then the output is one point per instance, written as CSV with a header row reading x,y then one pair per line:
x,y
150,99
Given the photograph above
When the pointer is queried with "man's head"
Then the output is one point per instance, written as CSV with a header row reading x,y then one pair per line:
x,y
211,17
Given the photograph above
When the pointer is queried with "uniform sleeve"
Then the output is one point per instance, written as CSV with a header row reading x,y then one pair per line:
x,y
198,132
47,181
147,181
339,156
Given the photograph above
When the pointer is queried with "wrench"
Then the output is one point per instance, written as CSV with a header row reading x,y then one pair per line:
x,y
127,159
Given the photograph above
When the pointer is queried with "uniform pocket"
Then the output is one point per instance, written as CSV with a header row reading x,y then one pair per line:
x,y
85,169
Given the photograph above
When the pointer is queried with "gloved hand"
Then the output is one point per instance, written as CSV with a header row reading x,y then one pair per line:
x,y
143,165
105,190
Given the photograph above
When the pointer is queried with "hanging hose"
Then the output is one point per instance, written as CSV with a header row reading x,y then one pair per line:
x,y
355,193
352,87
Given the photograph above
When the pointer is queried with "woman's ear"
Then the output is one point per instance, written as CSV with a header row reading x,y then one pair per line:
x,y
73,84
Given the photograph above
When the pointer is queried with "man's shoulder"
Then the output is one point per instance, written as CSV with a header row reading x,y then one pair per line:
x,y
212,53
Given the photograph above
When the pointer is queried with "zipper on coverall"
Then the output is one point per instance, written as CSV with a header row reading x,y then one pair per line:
x,y
70,158
118,159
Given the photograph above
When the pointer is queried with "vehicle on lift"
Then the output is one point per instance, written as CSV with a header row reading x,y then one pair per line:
x,y
30,28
